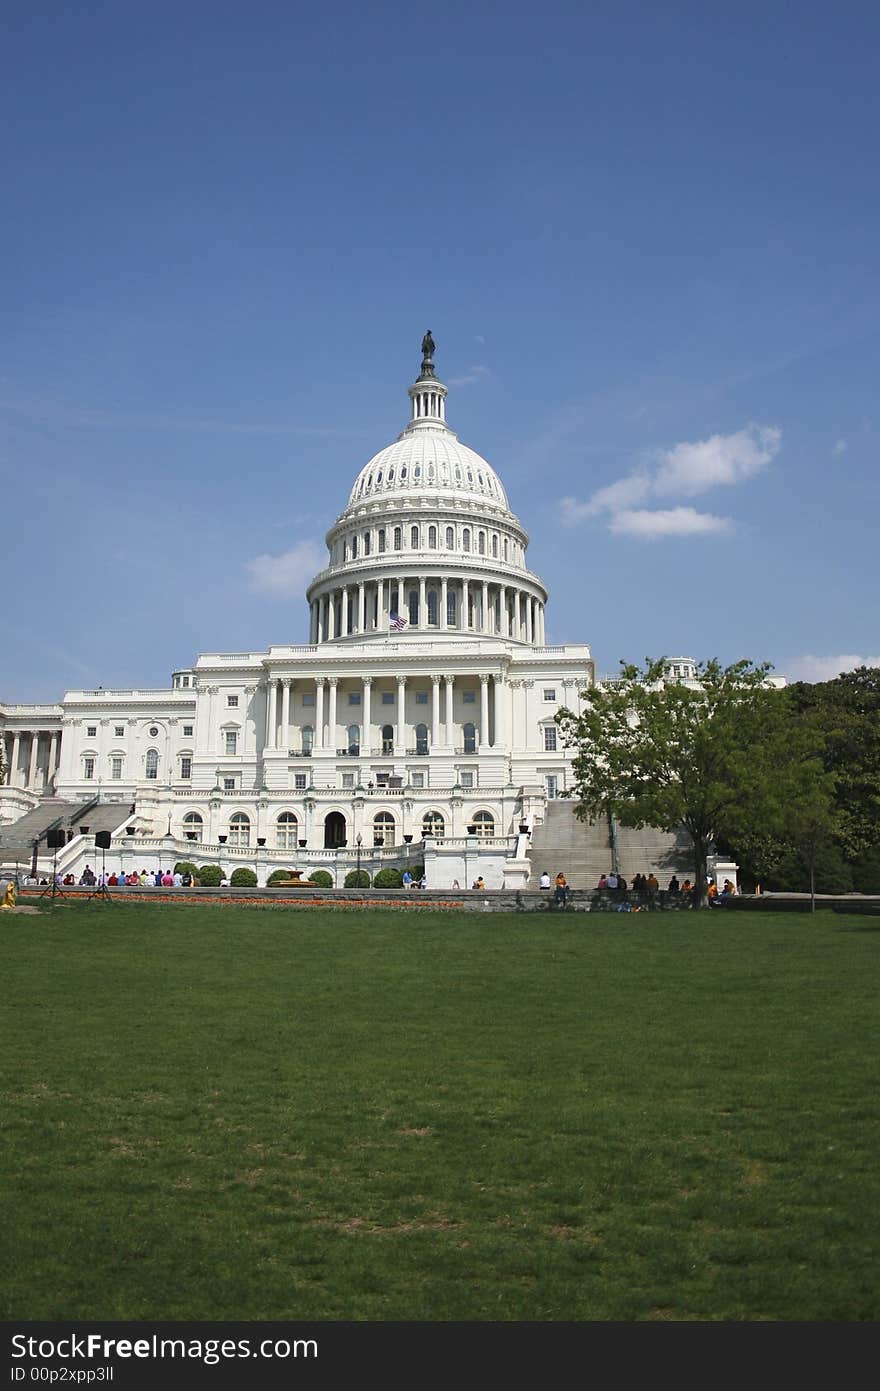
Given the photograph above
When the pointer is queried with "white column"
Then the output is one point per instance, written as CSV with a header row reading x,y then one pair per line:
x,y
332,682
423,617
450,686
401,715
32,764
505,613
285,713
501,737
53,757
443,601
331,617
362,610
13,767
381,618
271,712
465,596
319,713
529,637
484,616
435,711
366,741
484,710
344,629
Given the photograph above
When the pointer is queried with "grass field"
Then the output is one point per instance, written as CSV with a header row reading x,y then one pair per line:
x,y
223,1113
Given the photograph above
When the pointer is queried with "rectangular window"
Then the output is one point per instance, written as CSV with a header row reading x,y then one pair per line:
x,y
466,778
119,731
348,779
232,702
354,698
550,693
187,731
552,786
91,731
116,769
417,779
231,742
299,781
387,697
309,698
88,769
229,784
186,765
421,697
469,697
549,738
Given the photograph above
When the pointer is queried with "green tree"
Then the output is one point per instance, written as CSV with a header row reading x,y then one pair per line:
x,y
848,712
720,758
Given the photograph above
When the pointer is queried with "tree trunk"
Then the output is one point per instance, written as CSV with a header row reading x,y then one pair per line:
x,y
701,898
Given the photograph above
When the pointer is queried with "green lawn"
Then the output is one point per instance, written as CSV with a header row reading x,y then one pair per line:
x,y
224,1113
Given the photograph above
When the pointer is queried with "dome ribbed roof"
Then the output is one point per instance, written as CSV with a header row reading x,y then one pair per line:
x,y
428,459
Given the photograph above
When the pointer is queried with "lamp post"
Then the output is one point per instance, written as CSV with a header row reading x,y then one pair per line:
x,y
359,842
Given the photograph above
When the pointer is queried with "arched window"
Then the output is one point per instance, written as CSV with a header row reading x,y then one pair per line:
x,y
433,825
421,738
286,831
193,826
383,829
432,538
505,548
381,539
387,738
398,538
414,538
354,547
495,547
470,738
450,538
308,736
432,607
484,823
450,608
239,829
466,539
481,543
354,739
413,607
151,764
366,543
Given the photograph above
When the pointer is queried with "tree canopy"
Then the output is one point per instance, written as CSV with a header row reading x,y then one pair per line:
x,y
719,756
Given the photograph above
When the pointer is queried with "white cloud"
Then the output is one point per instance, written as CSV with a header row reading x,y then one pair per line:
x,y
477,373
676,521
684,471
288,573
717,462
840,448
811,668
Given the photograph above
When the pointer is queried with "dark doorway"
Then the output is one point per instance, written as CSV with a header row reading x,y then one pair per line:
x,y
334,830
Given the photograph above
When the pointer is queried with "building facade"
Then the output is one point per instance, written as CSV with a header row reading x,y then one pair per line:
x,y
421,710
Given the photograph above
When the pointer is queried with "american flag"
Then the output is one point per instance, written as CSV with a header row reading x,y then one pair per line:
x,y
398,623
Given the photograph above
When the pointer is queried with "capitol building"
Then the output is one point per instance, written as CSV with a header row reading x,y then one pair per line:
x,y
419,716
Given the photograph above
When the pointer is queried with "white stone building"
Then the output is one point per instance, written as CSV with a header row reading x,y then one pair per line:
x,y
422,708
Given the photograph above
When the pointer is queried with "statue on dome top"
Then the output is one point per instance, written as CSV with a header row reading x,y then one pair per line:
x,y
427,357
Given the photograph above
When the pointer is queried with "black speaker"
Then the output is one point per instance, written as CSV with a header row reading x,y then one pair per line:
x,y
102,840
56,837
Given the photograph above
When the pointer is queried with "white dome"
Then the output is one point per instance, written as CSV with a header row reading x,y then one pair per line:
x,y
428,459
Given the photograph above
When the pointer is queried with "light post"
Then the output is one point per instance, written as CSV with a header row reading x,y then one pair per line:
x,y
359,842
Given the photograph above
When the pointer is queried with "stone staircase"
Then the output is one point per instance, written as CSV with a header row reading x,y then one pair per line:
x,y
17,841
584,850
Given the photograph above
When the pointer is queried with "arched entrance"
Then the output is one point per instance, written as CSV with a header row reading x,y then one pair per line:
x,y
334,830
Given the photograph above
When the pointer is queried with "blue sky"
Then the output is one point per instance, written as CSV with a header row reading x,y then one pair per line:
x,y
644,237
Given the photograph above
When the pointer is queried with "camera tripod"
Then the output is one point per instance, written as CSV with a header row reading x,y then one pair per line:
x,y
54,890
101,890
